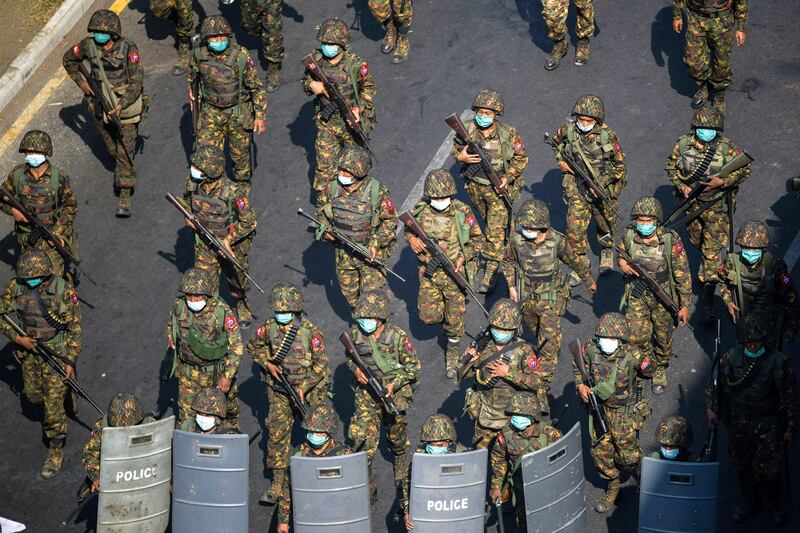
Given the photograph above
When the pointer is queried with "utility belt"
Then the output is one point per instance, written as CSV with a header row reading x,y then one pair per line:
x,y
714,15
216,367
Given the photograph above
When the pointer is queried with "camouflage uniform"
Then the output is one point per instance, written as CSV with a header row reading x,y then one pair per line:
x,y
555,13
390,354
598,150
366,215
119,74
48,196
49,313
675,432
262,19
615,377
396,17
209,401
663,257
505,148
305,365
513,443
181,11
231,98
207,343
351,75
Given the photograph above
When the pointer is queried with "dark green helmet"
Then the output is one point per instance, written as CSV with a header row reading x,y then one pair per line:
x,y
612,326
708,117
209,159
753,327
214,25
590,105
124,410
105,21
36,141
488,99
286,297
439,183
534,214
320,419
372,304
753,234
210,401
356,160
196,281
674,431
647,206
34,264
526,404
334,31
437,428
505,314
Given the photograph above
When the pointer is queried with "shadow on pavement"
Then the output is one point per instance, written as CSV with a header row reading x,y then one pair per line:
x,y
78,118
665,43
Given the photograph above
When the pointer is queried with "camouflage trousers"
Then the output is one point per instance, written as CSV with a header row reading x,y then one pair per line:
x,y
42,386
192,378
262,18
708,49
543,319
116,144
440,301
618,447
579,213
651,327
495,215
709,234
401,11
214,265
484,437
365,428
356,276
215,126
181,10
279,424
555,13
756,456
332,136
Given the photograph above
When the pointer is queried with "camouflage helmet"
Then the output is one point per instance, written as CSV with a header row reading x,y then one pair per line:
x,y
210,401
488,99
209,159
708,117
674,431
526,404
124,410
334,31
320,419
534,214
753,234
34,264
752,327
36,141
356,160
285,297
214,25
437,428
105,21
505,314
196,281
612,326
647,206
372,304
439,183
590,105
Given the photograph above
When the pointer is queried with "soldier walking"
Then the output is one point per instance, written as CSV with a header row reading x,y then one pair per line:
x,y
181,12
395,16
262,19
555,13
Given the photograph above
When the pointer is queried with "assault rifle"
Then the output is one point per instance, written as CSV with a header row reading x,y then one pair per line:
x,y
710,446
372,381
464,362
45,232
359,249
301,407
337,99
210,240
735,291
195,106
577,349
439,259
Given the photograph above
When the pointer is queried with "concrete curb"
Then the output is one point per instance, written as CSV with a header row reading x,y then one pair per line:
x,y
26,63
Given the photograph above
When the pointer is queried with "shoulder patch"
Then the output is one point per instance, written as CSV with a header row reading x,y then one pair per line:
x,y
501,439
518,146
678,248
533,362
316,342
74,298
230,323
250,62
389,205
409,346
721,269
471,221
645,363
617,148
241,203
76,50
364,70
134,57
260,331
786,280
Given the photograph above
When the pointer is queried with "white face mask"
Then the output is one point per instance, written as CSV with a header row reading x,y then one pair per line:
x,y
205,422
608,346
530,234
346,180
196,173
196,305
440,204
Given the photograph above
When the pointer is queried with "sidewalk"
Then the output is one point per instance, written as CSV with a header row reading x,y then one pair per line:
x,y
29,17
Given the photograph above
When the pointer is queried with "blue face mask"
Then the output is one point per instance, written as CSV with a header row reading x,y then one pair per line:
x,y
584,129
757,353
316,440
530,234
329,50
751,256
367,325
500,336
283,318
33,282
218,46
705,134
670,454
483,122
430,449
645,230
520,422
35,160
101,38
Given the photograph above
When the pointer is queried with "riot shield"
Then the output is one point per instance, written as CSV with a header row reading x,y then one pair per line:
x,y
209,487
677,496
135,473
553,486
448,492
330,494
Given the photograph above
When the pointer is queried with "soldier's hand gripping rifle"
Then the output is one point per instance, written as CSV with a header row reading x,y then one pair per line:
x,y
439,259
49,236
211,240
466,360
50,357
372,381
336,97
599,414
710,446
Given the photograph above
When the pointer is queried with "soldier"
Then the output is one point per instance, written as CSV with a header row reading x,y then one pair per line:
x,y
504,146
709,231
390,354
533,273
47,308
228,215
396,16
758,404
208,345
232,100
524,433
674,436
116,66
320,427
210,411
437,437
453,225
181,11
615,367
352,77
554,13
659,252
262,18
45,191
589,140
360,208
506,365
289,344
709,39
756,281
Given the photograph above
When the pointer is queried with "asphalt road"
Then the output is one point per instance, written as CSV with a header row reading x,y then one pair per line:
x,y
457,47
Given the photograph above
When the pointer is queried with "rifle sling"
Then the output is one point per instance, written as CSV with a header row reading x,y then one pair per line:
x,y
498,355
